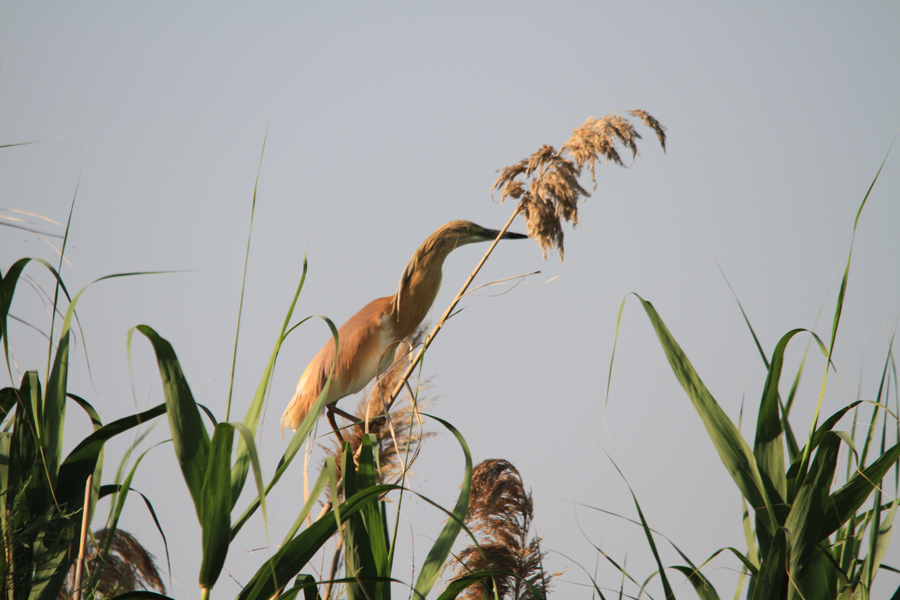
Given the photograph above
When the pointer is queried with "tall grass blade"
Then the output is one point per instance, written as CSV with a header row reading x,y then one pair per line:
x,y
880,530
439,552
62,253
731,447
120,494
843,504
237,331
7,292
704,589
804,521
246,440
769,444
328,470
50,424
294,555
840,302
357,536
817,436
296,440
254,411
460,584
843,290
372,518
215,506
756,342
51,415
771,581
751,561
189,436
667,587
83,458
879,540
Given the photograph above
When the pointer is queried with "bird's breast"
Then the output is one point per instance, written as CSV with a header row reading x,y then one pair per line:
x,y
367,345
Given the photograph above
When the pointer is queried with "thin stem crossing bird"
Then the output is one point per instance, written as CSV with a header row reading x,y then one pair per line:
x,y
367,340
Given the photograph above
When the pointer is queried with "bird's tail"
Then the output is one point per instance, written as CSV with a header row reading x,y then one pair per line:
x,y
296,411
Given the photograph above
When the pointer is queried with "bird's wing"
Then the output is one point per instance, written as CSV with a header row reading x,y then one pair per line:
x,y
363,341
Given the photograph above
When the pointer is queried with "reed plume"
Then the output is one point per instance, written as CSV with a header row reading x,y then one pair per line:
x,y
500,515
547,183
127,568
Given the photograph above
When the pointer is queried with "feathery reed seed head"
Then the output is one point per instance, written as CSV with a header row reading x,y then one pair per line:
x,y
554,190
500,514
128,567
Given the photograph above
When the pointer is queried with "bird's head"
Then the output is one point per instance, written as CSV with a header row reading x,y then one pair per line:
x,y
426,262
460,233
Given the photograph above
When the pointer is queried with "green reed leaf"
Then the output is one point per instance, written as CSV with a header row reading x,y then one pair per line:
x,y
215,506
189,436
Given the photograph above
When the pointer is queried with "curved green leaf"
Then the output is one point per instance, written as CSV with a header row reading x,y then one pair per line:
x,y
296,440
7,402
142,595
113,489
768,447
733,450
773,569
359,553
807,510
82,460
189,436
118,504
702,586
439,552
460,584
254,411
7,292
89,409
816,438
215,506
328,472
51,417
294,555
844,503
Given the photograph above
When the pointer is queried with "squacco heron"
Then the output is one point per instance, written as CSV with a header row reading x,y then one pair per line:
x,y
367,340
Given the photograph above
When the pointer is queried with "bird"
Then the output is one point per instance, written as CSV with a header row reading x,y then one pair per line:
x,y
367,340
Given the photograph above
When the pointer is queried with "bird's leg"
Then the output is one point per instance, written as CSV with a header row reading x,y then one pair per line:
x,y
334,409
354,420
330,410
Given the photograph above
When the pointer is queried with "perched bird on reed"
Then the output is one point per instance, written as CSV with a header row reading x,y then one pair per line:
x,y
368,340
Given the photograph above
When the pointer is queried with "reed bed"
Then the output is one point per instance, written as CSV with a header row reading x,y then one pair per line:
x,y
814,528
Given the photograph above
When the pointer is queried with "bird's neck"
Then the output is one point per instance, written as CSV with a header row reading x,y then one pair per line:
x,y
419,286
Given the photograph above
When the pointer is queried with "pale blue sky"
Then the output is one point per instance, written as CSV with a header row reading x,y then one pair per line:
x,y
387,121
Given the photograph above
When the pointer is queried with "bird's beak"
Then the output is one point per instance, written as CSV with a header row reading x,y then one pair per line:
x,y
507,235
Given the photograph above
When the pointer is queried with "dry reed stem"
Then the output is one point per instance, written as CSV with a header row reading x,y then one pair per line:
x,y
547,183
85,514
